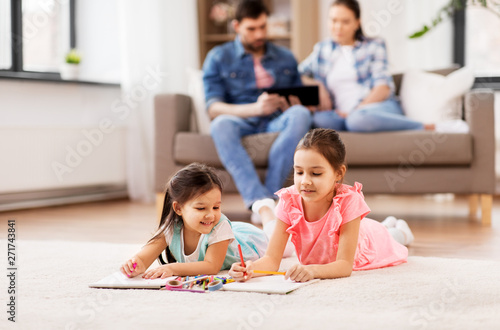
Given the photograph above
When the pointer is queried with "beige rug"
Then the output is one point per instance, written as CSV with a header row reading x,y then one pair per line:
x,y
425,293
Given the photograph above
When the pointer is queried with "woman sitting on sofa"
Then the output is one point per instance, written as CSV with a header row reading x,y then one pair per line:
x,y
356,88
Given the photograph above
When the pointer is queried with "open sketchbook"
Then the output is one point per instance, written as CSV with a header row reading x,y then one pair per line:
x,y
267,284
119,281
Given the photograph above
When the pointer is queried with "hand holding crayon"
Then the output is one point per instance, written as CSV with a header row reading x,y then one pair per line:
x,y
241,271
132,267
242,261
241,274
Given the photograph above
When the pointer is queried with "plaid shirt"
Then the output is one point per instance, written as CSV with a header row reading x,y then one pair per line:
x,y
370,62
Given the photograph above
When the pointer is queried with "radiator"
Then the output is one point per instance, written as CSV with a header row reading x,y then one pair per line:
x,y
42,166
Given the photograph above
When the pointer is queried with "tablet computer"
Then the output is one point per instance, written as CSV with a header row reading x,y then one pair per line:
x,y
308,95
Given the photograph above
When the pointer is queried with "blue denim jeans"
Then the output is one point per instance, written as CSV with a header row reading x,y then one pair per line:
x,y
227,131
374,117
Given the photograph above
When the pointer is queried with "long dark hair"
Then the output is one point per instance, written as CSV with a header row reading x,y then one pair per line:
x,y
193,180
353,5
328,143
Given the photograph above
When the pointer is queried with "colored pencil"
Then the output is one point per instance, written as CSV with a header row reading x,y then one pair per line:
x,y
196,279
268,272
242,261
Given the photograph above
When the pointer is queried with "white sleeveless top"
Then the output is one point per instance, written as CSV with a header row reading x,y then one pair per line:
x,y
342,80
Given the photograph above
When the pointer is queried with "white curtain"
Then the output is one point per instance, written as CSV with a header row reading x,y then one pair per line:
x,y
158,41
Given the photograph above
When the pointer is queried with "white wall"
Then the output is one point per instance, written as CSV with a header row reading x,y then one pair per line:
x,y
42,123
395,20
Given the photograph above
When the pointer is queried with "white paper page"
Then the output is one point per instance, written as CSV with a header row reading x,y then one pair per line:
x,y
120,281
267,284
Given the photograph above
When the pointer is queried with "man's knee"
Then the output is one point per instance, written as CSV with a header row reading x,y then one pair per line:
x,y
300,116
223,124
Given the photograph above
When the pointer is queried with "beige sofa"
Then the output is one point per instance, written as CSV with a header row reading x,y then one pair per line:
x,y
403,162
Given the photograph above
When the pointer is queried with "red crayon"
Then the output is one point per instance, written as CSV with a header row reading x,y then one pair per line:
x,y
242,261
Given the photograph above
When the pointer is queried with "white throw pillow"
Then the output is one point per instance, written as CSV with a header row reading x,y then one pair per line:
x,y
432,98
197,94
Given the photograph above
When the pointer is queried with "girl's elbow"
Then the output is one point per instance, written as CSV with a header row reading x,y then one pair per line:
x,y
348,273
346,269
214,270
211,268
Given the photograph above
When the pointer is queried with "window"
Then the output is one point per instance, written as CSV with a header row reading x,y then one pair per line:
x,y
34,36
5,35
477,44
482,41
43,42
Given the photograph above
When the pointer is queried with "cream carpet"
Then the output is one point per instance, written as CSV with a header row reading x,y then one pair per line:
x,y
425,293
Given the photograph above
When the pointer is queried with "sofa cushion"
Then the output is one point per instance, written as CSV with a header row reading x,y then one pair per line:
x,y
193,147
407,147
431,98
377,149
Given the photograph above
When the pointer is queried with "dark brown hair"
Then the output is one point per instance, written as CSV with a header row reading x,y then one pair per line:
x,y
328,143
353,5
193,180
250,9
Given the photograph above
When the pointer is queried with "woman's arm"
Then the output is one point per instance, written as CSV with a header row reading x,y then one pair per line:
x,y
211,265
272,259
381,78
341,267
377,94
144,258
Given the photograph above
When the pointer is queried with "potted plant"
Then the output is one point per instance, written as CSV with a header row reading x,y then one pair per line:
x,y
70,69
449,10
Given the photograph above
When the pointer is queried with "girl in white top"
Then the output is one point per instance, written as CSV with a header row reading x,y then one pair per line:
x,y
196,236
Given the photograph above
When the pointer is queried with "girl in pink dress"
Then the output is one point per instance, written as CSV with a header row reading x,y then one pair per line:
x,y
326,220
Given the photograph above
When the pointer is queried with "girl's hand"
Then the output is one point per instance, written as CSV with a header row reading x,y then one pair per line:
x,y
160,272
299,273
237,272
133,267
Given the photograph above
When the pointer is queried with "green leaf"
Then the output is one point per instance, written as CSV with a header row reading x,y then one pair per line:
x,y
420,33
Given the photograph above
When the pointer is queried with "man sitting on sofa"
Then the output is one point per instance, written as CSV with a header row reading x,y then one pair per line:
x,y
235,76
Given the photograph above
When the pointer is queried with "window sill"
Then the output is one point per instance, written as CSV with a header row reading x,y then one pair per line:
x,y
52,77
487,82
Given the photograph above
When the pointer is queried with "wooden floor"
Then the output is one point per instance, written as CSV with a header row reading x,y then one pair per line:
x,y
441,227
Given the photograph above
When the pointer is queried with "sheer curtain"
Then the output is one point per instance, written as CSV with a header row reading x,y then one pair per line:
x,y
158,41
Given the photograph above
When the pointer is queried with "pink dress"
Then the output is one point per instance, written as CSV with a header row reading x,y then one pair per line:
x,y
317,242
